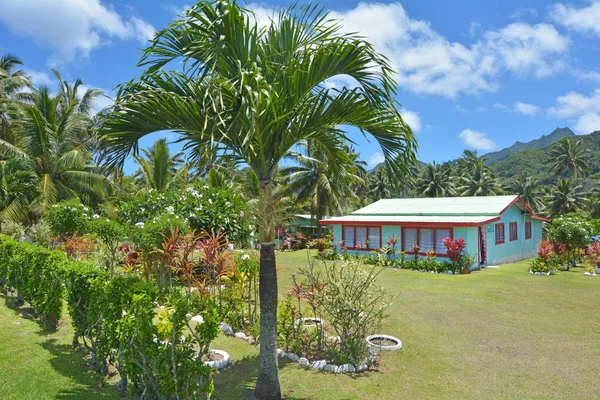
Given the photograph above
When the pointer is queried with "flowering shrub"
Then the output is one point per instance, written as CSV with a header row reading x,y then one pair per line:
x,y
392,241
454,249
201,207
573,234
68,217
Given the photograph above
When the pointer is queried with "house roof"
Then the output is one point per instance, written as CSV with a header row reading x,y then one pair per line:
x,y
468,211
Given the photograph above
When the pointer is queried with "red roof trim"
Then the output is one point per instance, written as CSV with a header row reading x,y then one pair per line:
x,y
533,216
409,224
520,200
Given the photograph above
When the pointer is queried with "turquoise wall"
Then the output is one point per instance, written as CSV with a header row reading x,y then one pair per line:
x,y
517,249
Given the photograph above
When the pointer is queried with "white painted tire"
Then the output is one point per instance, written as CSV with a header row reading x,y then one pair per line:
x,y
299,323
398,345
219,364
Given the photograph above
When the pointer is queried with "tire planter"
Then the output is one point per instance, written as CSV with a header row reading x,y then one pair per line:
x,y
376,346
219,364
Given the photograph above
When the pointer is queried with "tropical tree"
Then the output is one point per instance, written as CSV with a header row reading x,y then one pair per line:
x,y
569,156
53,136
379,184
257,92
12,82
436,180
565,197
158,168
18,187
528,188
321,177
479,180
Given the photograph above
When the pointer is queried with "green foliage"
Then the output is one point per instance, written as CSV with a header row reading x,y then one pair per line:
x,y
147,235
202,207
573,233
68,217
13,229
40,233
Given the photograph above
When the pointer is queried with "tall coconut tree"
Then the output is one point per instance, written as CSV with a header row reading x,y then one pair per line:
x,y
479,180
320,177
565,197
436,180
18,187
528,188
569,156
12,82
53,136
379,185
158,168
255,92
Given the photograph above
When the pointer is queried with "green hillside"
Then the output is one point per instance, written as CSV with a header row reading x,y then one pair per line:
x,y
544,141
536,162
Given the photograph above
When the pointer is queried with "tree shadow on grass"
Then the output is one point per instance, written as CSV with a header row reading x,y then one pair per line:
x,y
72,364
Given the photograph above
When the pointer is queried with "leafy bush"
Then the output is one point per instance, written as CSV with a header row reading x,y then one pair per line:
x,y
111,233
40,234
572,233
68,217
13,229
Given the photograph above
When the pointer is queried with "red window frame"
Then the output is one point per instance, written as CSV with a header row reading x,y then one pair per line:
x,y
527,230
368,248
513,228
435,229
499,227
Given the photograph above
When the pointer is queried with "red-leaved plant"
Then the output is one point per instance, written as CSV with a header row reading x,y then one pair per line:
x,y
454,249
546,249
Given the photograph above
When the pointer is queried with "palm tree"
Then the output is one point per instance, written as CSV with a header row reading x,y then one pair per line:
x,y
54,137
255,93
321,177
565,197
570,157
436,180
379,185
12,81
158,169
528,188
18,186
480,180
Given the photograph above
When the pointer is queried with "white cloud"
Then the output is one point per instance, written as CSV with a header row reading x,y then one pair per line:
x,y
526,108
412,119
39,78
72,28
376,158
177,10
100,102
583,20
583,111
477,140
428,63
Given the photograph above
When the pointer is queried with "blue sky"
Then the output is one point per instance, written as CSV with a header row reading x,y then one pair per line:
x,y
472,74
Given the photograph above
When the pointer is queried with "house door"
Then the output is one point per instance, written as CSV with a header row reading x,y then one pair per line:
x,y
482,246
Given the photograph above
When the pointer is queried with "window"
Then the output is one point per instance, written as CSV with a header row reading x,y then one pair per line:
x,y
374,238
499,233
527,230
361,237
512,230
409,239
427,239
348,237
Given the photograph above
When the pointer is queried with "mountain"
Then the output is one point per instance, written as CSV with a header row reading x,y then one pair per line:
x,y
535,162
546,140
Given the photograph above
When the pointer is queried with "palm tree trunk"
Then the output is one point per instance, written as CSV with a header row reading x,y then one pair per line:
x,y
267,384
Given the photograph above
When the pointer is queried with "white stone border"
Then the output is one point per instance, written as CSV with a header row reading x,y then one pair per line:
x,y
219,364
319,365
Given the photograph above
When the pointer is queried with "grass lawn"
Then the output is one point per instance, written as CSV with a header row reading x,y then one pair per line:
x,y
499,333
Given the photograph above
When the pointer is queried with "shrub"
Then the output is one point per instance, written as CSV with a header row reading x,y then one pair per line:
x,y
67,218
573,234
13,229
111,233
40,234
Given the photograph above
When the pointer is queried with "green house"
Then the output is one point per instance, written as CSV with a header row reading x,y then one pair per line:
x,y
497,229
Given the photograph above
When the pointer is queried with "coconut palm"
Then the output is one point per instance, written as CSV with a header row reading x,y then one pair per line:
x,y
12,82
18,187
255,93
565,197
53,136
528,188
479,180
569,156
158,168
379,185
436,180
321,177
